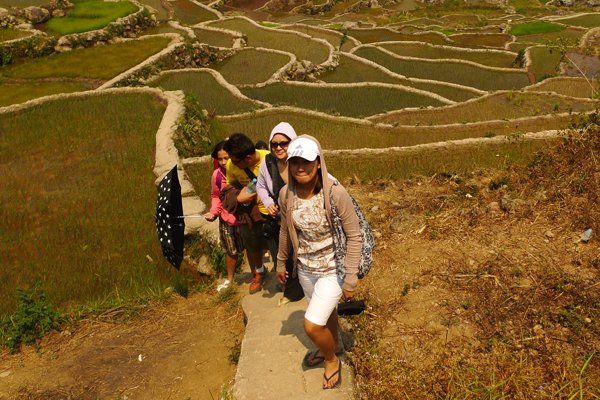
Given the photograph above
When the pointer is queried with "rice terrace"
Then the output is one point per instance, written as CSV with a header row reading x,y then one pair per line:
x,y
468,131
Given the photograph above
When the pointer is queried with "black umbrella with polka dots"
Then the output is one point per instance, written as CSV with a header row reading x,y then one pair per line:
x,y
169,218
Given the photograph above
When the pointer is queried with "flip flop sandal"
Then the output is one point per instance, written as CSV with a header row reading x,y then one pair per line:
x,y
312,359
339,373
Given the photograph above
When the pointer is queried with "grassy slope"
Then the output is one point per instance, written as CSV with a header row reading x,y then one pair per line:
x,y
350,70
303,48
462,74
11,33
353,102
209,93
250,66
83,63
78,199
509,105
13,93
88,15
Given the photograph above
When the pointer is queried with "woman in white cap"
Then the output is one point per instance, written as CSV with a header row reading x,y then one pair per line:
x,y
305,205
272,176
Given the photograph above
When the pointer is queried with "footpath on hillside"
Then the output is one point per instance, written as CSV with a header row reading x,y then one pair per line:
x,y
274,344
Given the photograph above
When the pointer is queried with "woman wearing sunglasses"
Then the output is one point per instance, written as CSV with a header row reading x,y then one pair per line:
x,y
272,176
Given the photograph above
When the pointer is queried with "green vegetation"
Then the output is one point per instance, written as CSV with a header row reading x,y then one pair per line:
x,y
509,105
33,317
190,13
341,134
535,28
573,34
161,13
387,35
78,200
88,15
251,66
350,70
454,72
206,90
303,48
490,58
349,101
83,63
12,33
334,38
586,20
197,133
476,40
13,93
544,62
22,3
214,38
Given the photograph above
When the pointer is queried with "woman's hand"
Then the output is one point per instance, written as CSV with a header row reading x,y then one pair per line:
x,y
273,210
210,217
245,197
347,295
282,277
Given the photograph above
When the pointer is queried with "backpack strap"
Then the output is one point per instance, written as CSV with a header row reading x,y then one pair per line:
x,y
276,180
250,174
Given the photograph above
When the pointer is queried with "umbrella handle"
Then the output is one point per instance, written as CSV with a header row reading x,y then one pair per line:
x,y
190,216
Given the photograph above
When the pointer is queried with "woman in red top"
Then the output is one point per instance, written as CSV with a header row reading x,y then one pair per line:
x,y
228,224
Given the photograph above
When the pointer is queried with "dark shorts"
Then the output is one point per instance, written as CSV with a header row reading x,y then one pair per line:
x,y
231,239
253,238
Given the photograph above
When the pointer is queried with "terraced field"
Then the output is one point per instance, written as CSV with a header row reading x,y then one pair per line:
x,y
388,91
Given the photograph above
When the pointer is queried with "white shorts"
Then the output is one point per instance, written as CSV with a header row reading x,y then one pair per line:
x,y
323,294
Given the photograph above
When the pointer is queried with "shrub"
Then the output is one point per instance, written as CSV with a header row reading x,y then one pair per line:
x,y
33,317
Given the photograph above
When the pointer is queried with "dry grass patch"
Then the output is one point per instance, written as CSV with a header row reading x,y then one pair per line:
x,y
349,101
490,58
575,87
470,300
303,47
447,71
507,105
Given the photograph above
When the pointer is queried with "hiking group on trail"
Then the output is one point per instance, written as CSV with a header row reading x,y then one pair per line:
x,y
286,202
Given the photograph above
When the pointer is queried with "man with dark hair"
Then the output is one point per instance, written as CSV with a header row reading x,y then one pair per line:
x,y
242,169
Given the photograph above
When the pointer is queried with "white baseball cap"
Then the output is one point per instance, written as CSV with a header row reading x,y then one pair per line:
x,y
303,148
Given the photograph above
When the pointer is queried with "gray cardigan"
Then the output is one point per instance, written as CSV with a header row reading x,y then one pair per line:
x,y
288,237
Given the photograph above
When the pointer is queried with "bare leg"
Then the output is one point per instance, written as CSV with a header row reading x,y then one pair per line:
x,y
323,337
254,259
230,262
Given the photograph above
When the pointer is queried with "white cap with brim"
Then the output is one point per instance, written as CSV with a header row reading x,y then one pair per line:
x,y
303,148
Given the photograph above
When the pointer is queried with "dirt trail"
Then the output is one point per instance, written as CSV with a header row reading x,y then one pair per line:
x,y
178,350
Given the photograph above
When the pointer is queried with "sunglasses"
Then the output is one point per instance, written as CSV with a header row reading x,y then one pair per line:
x,y
283,145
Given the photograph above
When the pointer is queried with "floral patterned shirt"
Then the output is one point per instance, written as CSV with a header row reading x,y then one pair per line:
x,y
315,251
